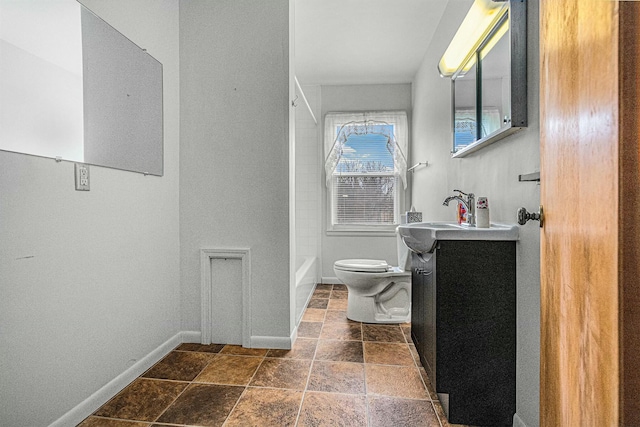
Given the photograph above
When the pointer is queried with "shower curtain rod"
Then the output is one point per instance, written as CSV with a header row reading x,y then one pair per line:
x,y
304,98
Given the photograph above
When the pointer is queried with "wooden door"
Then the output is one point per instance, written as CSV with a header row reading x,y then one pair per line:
x,y
589,245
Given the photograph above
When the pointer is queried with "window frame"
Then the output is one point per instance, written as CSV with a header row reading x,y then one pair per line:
x,y
332,122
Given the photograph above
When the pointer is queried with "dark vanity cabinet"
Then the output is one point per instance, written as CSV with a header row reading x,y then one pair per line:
x,y
463,323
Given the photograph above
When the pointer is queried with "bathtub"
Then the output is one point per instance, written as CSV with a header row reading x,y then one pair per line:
x,y
306,279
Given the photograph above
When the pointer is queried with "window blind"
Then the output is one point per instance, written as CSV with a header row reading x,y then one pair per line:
x,y
364,181
364,199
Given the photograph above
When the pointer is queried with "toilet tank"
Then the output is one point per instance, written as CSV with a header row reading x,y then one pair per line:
x,y
404,254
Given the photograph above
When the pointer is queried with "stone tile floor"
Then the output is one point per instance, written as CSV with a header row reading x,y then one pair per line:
x,y
339,373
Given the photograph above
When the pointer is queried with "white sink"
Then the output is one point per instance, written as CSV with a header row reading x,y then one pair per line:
x,y
421,237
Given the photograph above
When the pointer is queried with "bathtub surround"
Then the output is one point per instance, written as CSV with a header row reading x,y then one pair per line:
x,y
306,280
308,191
492,172
308,182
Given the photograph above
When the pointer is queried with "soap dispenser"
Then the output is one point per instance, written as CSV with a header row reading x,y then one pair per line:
x,y
482,213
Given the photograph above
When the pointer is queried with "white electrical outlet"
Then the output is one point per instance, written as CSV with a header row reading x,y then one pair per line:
x,y
82,177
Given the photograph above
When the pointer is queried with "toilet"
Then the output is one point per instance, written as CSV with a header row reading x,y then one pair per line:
x,y
378,292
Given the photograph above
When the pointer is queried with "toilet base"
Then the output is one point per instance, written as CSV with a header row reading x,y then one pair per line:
x,y
393,305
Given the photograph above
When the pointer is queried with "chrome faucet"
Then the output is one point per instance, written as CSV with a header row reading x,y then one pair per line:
x,y
469,204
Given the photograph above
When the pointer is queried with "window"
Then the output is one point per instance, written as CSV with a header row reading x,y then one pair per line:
x,y
365,170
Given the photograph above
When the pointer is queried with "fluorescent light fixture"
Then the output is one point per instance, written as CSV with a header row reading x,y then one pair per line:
x,y
477,25
495,38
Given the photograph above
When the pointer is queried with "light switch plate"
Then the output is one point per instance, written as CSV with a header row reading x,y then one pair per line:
x,y
82,177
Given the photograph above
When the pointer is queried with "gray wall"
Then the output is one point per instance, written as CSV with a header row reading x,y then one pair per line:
x,y
123,100
337,246
234,156
491,172
89,281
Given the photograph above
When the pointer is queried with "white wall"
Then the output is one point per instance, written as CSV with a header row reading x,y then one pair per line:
x,y
57,94
491,172
89,281
234,156
359,98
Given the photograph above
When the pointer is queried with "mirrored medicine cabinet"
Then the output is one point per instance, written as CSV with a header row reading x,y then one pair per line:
x,y
74,88
489,78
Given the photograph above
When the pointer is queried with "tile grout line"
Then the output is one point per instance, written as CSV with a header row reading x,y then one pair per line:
x,y
366,388
173,401
362,327
141,376
306,386
164,424
190,383
246,388
418,364
313,359
437,414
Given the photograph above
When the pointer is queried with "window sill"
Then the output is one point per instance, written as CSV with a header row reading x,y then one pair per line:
x,y
363,231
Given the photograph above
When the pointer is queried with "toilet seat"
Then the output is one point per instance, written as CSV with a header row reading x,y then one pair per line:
x,y
363,265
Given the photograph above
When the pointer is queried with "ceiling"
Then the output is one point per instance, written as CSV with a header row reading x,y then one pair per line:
x,y
363,41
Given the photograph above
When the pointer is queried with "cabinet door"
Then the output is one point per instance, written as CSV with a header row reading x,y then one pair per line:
x,y
429,295
423,311
417,305
476,337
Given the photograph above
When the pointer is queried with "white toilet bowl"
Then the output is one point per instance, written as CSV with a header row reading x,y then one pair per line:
x,y
378,292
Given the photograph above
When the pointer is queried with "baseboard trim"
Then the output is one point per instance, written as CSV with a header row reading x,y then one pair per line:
x,y
283,343
517,421
191,336
87,407
331,281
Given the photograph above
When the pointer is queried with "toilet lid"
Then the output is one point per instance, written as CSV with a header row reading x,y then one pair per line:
x,y
366,265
